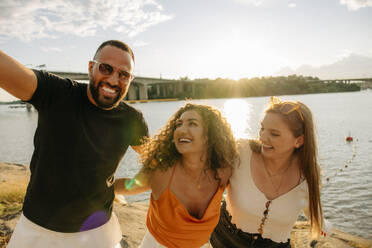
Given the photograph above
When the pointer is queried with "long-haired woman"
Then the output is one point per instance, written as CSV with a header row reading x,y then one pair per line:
x,y
186,166
278,177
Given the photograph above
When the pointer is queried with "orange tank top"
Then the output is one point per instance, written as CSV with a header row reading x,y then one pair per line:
x,y
171,224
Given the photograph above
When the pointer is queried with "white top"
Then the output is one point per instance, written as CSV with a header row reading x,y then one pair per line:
x,y
246,203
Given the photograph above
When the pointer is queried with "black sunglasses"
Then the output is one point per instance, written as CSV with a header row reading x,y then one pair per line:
x,y
107,69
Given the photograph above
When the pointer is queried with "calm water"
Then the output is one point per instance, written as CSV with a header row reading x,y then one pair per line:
x,y
347,196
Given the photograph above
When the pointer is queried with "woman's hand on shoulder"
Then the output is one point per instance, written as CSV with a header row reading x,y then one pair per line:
x,y
224,174
242,142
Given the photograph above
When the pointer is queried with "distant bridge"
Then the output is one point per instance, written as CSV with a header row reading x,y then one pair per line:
x,y
143,88
365,83
349,80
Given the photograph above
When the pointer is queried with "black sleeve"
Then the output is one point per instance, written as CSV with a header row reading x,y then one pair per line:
x,y
140,129
50,89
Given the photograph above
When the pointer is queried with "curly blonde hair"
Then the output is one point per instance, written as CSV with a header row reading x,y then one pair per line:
x,y
159,152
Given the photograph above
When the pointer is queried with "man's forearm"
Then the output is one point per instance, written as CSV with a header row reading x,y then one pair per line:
x,y
15,78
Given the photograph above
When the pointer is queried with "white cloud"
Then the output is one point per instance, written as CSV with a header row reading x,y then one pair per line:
x,y
356,4
345,53
32,19
260,3
250,2
51,49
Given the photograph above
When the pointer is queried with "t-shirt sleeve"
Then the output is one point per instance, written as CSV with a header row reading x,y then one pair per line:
x,y
140,129
50,89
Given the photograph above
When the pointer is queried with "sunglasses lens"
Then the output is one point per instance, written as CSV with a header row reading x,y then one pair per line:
x,y
105,69
289,108
123,75
286,109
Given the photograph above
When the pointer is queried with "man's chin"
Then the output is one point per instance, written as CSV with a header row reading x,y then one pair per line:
x,y
102,101
107,104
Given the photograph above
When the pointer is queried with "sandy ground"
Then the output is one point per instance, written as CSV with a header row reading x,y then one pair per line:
x,y
132,218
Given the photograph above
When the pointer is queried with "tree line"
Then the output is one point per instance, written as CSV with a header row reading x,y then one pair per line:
x,y
264,86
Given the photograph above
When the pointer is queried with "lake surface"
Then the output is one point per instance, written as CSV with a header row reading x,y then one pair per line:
x,y
346,196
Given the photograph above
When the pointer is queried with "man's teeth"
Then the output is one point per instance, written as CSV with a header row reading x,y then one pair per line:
x,y
184,140
108,90
267,146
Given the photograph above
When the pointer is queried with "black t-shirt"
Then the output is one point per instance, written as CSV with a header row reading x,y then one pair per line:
x,y
77,150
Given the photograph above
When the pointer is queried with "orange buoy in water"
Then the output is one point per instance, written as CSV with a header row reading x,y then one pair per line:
x,y
349,139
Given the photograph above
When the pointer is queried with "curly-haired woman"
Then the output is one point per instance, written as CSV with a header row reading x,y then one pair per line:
x,y
278,176
186,166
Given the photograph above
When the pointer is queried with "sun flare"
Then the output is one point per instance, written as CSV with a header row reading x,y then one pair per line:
x,y
237,113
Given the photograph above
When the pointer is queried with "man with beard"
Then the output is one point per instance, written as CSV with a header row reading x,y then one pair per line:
x,y
82,134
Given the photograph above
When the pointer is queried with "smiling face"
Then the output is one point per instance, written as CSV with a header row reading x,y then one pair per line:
x,y
106,91
276,137
189,134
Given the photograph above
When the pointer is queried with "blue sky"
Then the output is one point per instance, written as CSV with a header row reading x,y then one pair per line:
x,y
194,38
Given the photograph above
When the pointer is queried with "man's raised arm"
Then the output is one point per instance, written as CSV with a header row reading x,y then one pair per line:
x,y
16,79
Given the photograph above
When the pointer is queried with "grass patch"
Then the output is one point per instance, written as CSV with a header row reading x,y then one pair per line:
x,y
11,191
10,209
13,184
11,201
11,197
4,239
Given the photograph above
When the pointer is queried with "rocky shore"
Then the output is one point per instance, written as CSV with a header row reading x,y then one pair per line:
x,y
132,217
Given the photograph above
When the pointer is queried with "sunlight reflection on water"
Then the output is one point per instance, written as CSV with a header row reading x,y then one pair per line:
x,y
237,113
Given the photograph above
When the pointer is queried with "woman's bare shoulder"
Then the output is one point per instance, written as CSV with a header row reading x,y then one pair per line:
x,y
159,180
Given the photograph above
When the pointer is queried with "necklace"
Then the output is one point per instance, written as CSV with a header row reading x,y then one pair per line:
x,y
198,184
281,176
199,180
200,176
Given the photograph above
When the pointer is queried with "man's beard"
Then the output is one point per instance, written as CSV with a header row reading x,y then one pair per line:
x,y
110,102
